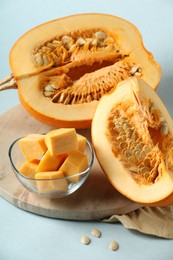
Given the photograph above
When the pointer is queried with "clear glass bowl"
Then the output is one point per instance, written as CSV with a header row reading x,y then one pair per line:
x,y
16,159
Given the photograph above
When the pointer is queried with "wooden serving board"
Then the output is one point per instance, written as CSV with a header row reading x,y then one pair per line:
x,y
96,199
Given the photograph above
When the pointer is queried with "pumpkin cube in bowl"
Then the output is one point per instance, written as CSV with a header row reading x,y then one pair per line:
x,y
50,162
51,181
32,146
47,178
61,141
81,142
28,168
75,163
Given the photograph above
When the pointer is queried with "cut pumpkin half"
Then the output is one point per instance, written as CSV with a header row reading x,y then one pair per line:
x,y
132,134
63,67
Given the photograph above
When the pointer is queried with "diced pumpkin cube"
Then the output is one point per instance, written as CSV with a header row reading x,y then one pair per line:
x,y
76,162
81,142
61,141
47,182
28,168
50,162
32,146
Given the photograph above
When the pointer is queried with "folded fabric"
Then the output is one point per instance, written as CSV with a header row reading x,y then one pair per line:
x,y
149,220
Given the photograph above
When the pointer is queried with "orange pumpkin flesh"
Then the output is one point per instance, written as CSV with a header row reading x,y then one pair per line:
x,y
85,55
132,134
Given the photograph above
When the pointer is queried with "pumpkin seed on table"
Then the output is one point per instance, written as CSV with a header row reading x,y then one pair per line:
x,y
85,240
96,233
113,245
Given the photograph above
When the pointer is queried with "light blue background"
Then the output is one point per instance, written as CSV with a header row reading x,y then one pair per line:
x,y
25,236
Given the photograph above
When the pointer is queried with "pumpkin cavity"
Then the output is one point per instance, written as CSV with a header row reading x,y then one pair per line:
x,y
140,138
86,64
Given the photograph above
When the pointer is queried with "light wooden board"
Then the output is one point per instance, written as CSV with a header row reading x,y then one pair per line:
x,y
96,199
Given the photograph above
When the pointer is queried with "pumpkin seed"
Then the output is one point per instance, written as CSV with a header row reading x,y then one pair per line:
x,y
85,240
145,169
164,128
94,43
133,169
123,145
56,43
128,153
48,93
66,39
100,44
51,45
113,245
95,232
48,88
80,42
45,60
135,69
137,154
38,60
139,147
100,35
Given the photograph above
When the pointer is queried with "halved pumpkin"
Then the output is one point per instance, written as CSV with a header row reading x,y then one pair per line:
x,y
63,67
132,134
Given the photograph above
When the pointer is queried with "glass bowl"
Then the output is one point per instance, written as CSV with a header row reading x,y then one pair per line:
x,y
50,188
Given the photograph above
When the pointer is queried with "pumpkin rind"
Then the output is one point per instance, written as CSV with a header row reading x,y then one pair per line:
x,y
26,73
159,190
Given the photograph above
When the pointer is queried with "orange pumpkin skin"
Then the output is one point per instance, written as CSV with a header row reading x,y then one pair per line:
x,y
84,69
130,120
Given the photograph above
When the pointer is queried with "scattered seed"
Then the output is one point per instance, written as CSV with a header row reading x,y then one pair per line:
x,y
113,245
95,232
85,240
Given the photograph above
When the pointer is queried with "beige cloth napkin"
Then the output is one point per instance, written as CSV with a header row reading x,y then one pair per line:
x,y
149,220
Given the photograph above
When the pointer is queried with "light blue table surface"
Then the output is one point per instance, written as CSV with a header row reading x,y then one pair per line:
x,y
25,236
